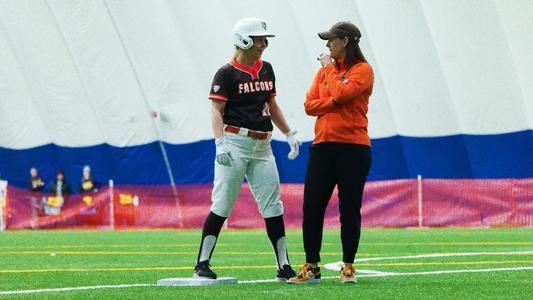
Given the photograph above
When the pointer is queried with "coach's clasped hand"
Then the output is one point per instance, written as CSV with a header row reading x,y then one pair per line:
x,y
223,156
294,143
324,59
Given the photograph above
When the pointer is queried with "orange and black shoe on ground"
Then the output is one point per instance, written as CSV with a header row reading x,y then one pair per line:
x,y
308,274
348,274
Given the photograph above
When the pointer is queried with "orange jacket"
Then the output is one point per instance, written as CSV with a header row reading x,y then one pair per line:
x,y
340,101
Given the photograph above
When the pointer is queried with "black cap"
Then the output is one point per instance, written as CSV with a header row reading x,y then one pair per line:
x,y
341,29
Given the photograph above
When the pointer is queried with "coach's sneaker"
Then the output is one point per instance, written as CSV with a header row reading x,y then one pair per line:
x,y
285,273
308,274
348,274
203,271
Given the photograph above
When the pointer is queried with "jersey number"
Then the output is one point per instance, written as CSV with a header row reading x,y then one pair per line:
x,y
266,110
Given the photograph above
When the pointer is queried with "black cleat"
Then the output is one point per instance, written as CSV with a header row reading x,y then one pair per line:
x,y
285,273
203,271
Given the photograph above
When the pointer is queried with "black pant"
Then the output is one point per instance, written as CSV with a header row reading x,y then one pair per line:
x,y
330,164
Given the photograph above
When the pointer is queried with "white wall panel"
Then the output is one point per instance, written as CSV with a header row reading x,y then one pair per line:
x,y
49,69
478,66
20,123
517,21
86,72
105,75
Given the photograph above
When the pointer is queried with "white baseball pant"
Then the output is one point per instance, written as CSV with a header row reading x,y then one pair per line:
x,y
253,159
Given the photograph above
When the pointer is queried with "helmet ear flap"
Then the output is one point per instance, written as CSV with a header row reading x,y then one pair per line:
x,y
242,41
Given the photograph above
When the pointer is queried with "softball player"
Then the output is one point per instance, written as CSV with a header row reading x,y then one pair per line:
x,y
243,109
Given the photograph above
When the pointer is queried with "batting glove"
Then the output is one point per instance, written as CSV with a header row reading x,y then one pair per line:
x,y
223,156
294,143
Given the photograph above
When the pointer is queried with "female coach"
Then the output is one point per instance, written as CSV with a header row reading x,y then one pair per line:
x,y
243,110
340,154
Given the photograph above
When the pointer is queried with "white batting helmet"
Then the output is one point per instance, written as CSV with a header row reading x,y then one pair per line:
x,y
246,28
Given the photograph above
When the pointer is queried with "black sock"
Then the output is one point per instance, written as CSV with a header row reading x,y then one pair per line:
x,y
276,233
212,226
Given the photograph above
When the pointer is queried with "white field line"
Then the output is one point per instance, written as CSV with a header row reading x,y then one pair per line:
x,y
16,292
431,273
444,255
359,271
336,266
449,272
80,288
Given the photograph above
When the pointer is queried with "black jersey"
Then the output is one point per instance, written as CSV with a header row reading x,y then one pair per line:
x,y
246,91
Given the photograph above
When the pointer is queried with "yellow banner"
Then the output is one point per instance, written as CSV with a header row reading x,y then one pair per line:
x,y
125,199
54,201
3,194
88,200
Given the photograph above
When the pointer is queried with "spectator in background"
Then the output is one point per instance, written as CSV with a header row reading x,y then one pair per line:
x,y
89,209
58,190
36,182
60,186
88,183
36,187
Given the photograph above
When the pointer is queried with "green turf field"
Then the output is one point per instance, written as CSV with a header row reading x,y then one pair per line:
x,y
32,260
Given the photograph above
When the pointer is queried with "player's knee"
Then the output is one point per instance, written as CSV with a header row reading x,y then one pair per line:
x,y
221,211
272,211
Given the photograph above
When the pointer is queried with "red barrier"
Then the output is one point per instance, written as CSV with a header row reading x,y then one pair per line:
x,y
396,203
27,210
478,202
